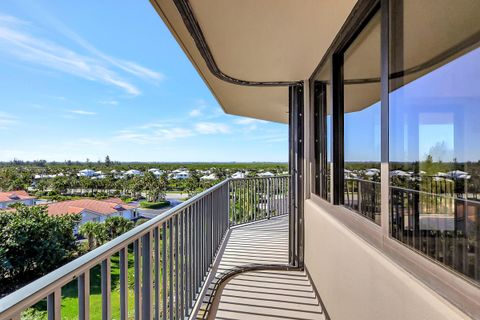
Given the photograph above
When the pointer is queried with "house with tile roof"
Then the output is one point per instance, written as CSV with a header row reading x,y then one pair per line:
x,y
92,209
8,198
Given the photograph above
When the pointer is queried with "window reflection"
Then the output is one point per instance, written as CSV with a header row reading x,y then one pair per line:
x,y
362,133
434,133
323,133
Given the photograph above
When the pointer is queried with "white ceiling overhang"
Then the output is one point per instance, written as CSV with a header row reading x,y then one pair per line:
x,y
257,41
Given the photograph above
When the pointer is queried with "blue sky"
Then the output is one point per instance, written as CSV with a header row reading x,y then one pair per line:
x,y
89,78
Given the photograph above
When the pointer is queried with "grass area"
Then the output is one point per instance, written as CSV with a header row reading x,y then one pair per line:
x,y
70,293
154,205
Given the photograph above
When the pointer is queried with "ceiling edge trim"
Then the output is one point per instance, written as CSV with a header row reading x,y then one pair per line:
x,y
186,12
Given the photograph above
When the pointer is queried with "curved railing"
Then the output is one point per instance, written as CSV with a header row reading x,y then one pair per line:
x,y
172,254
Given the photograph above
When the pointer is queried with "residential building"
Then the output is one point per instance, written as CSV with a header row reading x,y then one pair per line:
x,y
86,173
133,172
266,174
156,172
209,177
180,175
93,210
385,84
8,198
239,175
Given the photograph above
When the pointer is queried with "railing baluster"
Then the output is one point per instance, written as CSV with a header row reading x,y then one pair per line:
x,y
106,289
209,230
196,227
202,239
83,283
54,305
124,283
147,276
176,218
182,269
156,236
269,199
136,266
190,260
164,270
18,316
170,271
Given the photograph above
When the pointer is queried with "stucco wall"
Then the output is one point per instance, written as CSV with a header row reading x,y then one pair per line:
x,y
355,281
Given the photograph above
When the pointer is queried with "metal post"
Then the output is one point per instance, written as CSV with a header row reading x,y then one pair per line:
x,y
84,296
147,276
106,289
136,266
164,270
156,236
170,271
124,283
269,199
176,267
54,305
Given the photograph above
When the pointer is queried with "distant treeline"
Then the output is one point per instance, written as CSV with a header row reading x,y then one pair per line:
x,y
168,166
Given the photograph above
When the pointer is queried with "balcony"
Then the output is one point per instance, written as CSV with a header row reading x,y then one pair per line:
x,y
222,254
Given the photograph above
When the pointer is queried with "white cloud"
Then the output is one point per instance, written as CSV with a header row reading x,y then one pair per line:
x,y
157,132
211,128
20,44
7,120
247,121
82,112
109,102
155,136
195,112
127,66
270,137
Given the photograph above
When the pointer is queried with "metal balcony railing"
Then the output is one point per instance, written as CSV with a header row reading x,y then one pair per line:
x,y
172,255
255,199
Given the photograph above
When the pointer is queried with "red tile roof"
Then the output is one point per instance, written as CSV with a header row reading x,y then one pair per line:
x,y
114,200
14,195
102,207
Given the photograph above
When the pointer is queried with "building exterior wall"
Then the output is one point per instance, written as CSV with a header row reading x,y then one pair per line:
x,y
29,202
90,216
356,281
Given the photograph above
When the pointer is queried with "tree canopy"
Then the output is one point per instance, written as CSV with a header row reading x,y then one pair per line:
x,y
33,243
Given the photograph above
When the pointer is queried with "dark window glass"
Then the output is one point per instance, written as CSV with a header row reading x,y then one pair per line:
x,y
434,130
323,133
362,134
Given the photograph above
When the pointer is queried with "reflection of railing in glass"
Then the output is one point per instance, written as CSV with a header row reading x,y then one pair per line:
x,y
363,196
445,228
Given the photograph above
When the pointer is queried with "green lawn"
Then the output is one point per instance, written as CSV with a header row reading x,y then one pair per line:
x,y
154,205
70,299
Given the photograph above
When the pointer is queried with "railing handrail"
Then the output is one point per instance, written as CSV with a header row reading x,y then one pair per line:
x,y
361,180
447,197
251,178
16,301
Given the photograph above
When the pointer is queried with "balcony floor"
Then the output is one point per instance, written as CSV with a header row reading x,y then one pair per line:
x,y
262,294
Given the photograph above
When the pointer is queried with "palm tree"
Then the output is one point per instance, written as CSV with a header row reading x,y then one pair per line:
x,y
100,233
116,226
87,230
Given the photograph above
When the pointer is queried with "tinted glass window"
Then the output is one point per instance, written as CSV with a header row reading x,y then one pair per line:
x,y
434,130
362,122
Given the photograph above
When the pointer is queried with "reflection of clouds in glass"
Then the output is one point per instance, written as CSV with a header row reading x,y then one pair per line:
x,y
442,106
